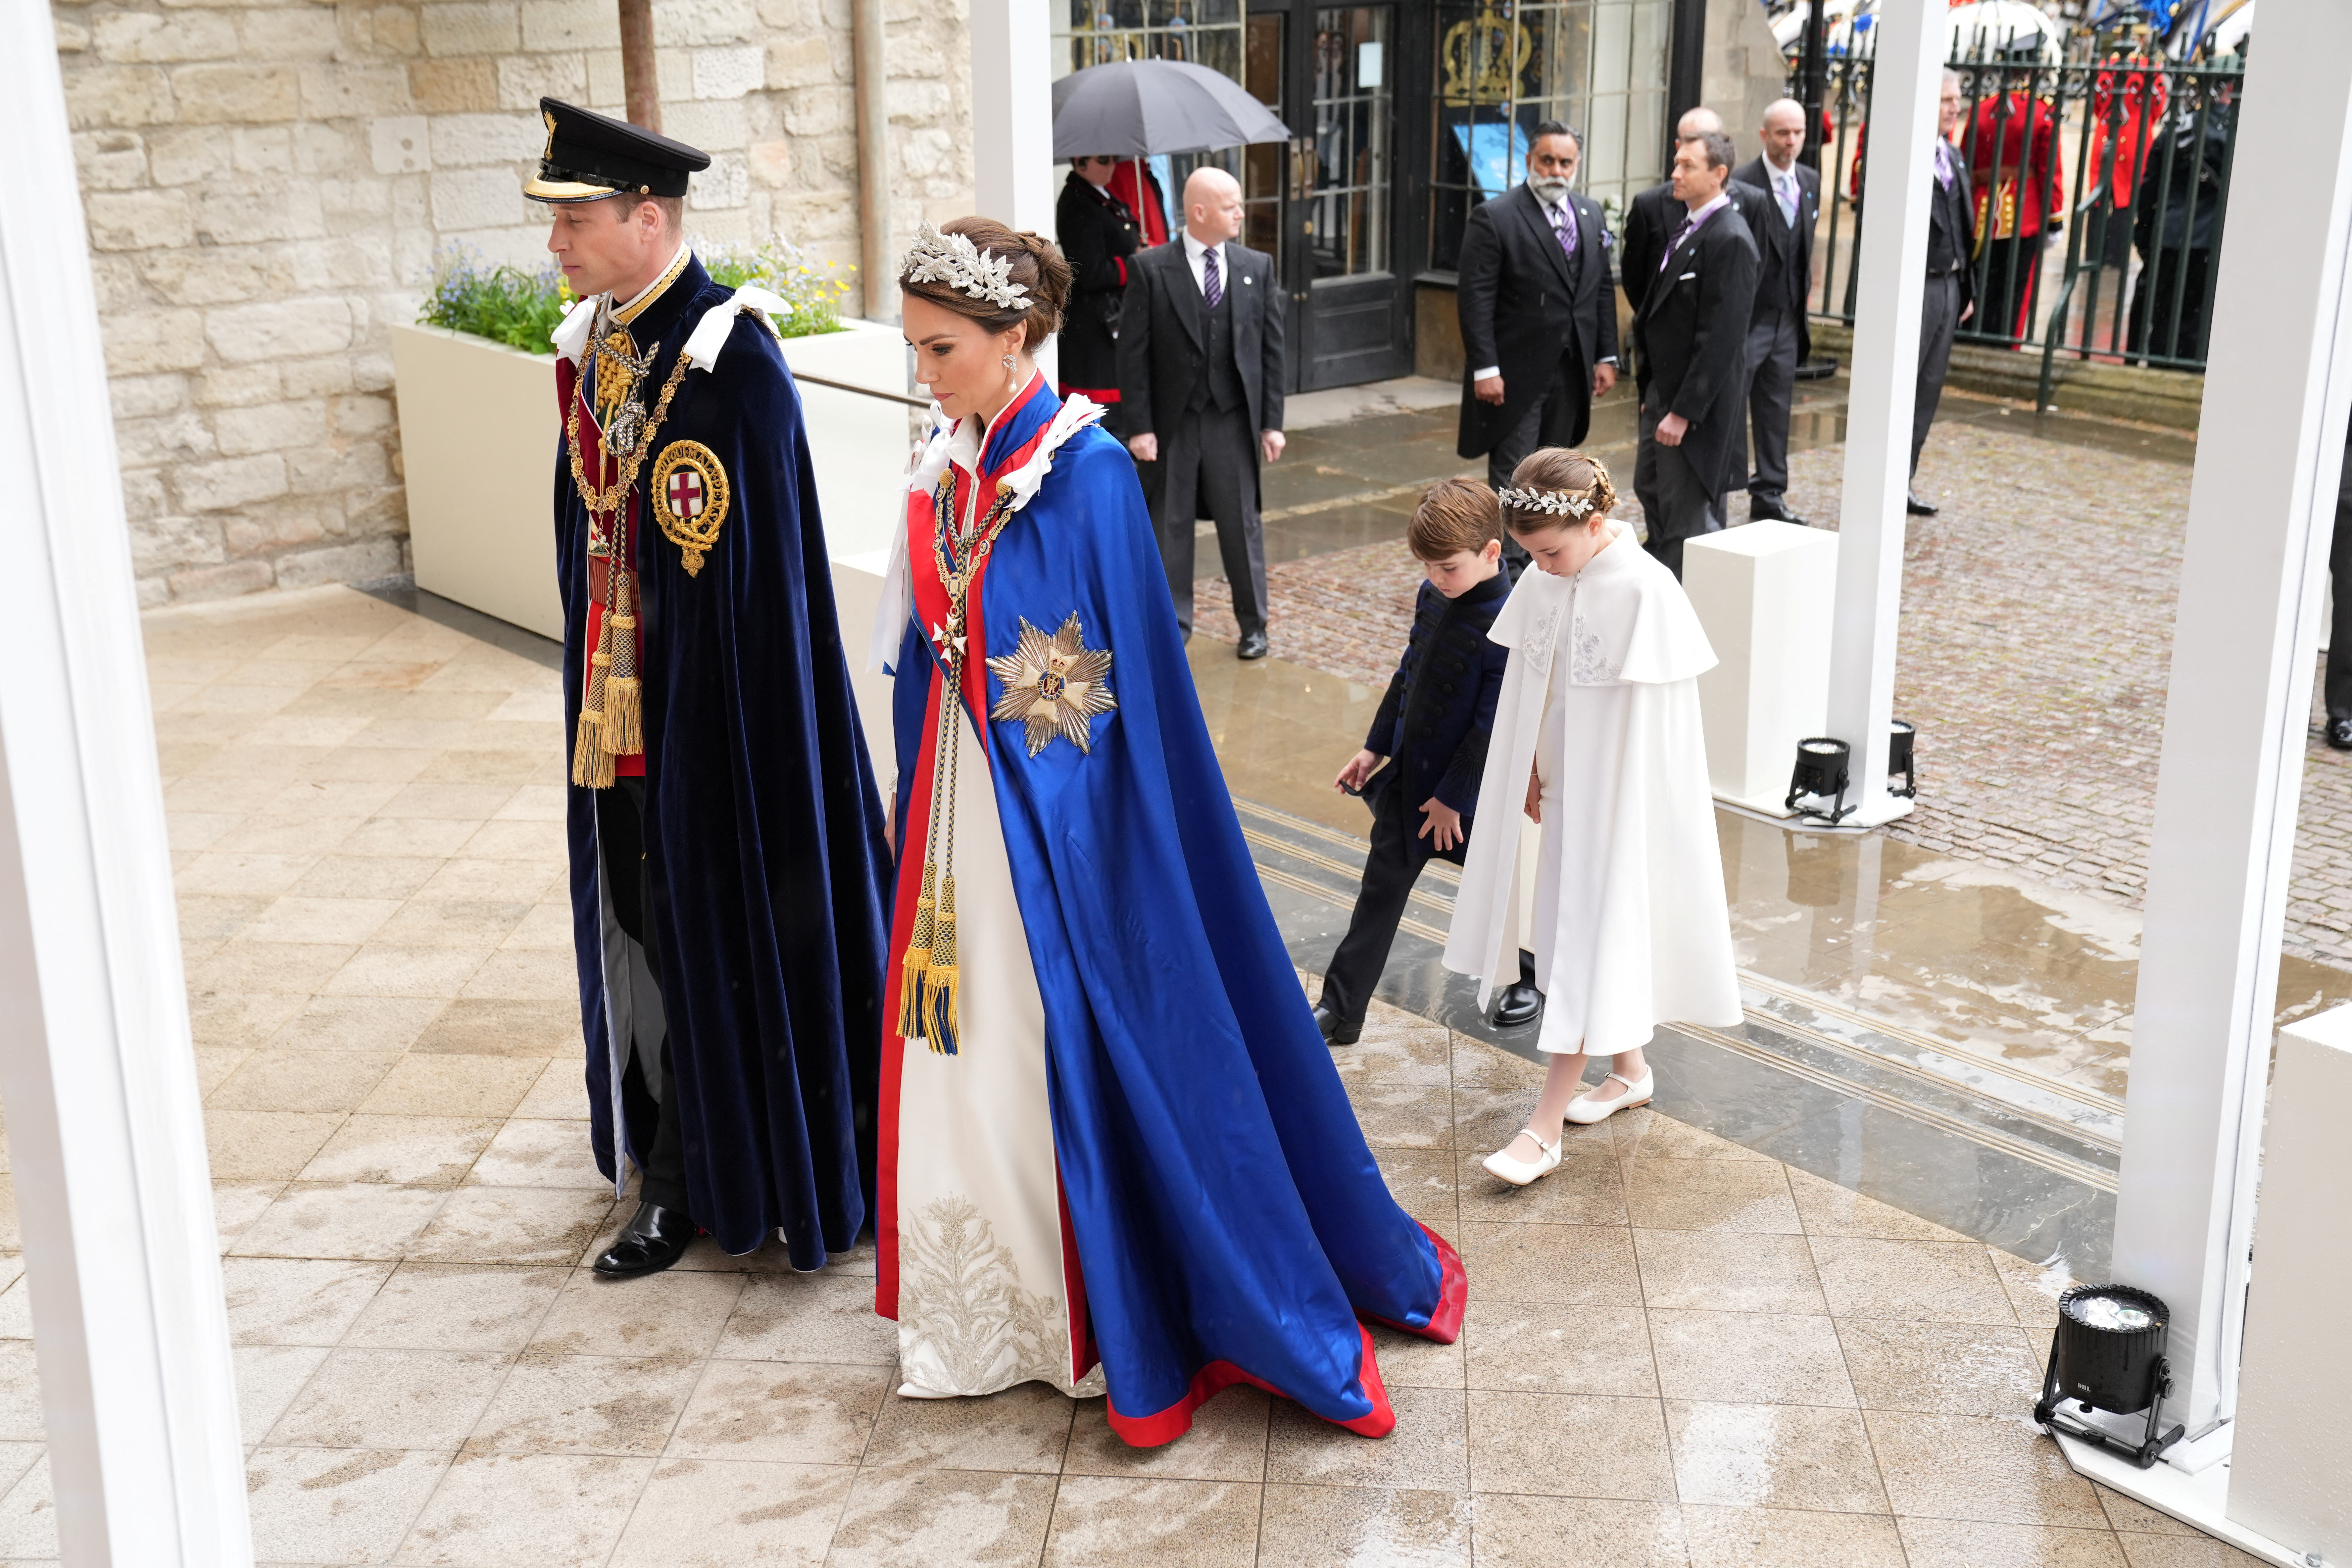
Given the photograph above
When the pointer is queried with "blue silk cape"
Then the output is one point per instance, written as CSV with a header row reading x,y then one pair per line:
x,y
1230,1222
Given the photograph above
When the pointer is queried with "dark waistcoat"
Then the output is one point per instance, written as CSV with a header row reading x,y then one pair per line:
x,y
1221,388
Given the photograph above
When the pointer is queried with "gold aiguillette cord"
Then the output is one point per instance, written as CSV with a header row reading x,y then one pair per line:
x,y
927,974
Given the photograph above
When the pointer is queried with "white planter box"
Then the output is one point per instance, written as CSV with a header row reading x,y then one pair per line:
x,y
479,435
859,445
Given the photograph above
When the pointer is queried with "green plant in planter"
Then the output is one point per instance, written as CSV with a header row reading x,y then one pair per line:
x,y
502,303
778,265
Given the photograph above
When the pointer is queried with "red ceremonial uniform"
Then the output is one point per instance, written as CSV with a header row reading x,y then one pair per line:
x,y
2013,151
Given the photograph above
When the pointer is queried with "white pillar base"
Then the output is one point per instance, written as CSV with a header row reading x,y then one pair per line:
x,y
1865,815
2201,1499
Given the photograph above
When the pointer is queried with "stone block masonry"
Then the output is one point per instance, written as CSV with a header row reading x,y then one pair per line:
x,y
266,185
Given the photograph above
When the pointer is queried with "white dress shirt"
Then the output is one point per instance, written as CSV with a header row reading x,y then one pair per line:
x,y
1193,252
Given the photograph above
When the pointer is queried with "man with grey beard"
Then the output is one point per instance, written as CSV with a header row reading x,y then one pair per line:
x,y
1538,319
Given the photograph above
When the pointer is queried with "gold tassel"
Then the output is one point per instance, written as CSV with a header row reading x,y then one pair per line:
x,y
916,963
623,733
591,764
939,1006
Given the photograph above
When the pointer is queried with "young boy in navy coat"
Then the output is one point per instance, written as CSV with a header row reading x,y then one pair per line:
x,y
1431,732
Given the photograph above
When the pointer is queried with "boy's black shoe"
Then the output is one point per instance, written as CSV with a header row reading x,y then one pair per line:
x,y
1252,645
1519,1003
1337,1031
651,1241
2339,733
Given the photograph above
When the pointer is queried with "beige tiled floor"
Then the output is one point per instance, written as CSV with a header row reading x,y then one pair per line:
x,y
1676,1351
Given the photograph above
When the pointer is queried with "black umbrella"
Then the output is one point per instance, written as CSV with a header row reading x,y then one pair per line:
x,y
1138,108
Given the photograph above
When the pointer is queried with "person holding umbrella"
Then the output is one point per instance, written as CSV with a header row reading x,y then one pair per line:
x,y
1098,232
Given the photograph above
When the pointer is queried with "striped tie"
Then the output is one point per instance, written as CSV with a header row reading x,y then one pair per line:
x,y
1213,288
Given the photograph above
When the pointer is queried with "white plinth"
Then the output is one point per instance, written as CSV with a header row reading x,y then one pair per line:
x,y
1764,594
858,445
2292,1462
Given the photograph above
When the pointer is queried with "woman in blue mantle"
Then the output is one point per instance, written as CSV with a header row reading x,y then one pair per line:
x,y
1115,1156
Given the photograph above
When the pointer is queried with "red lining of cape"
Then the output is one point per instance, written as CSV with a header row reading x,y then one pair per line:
x,y
1167,1426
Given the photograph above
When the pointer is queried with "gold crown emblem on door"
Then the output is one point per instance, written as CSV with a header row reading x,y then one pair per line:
x,y
1482,59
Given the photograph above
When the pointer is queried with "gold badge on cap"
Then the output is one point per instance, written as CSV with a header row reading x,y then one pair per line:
x,y
689,491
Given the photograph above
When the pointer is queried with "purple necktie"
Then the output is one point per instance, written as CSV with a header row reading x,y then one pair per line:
x,y
1943,163
1563,224
1213,288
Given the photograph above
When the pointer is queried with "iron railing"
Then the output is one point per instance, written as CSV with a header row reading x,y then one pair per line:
x,y
2124,153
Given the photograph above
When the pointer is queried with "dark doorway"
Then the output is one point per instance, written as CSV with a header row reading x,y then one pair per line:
x,y
1326,204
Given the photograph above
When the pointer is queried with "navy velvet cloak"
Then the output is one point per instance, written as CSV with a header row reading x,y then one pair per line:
x,y
764,823
1231,1222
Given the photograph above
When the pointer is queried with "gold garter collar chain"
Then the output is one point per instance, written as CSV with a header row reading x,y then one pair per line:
x,y
611,713
928,977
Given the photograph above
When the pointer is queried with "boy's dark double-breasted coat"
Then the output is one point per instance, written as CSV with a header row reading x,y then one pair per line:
x,y
1692,333
1525,310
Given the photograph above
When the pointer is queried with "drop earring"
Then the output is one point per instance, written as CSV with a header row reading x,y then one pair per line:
x,y
1011,384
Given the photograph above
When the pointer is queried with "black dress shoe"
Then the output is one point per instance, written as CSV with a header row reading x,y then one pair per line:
x,y
1914,506
648,1243
1519,1003
2338,734
1252,647
1771,509
1337,1031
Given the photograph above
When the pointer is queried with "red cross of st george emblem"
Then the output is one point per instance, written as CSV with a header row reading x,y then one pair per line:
x,y
685,493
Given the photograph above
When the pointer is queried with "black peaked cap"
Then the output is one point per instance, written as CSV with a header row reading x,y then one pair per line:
x,y
590,156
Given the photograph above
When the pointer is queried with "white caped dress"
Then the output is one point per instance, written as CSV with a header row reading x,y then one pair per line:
x,y
1600,699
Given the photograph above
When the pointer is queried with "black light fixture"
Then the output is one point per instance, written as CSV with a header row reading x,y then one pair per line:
x,y
2107,1353
1898,759
1820,773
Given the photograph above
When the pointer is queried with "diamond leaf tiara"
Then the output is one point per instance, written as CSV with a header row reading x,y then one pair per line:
x,y
1558,503
954,260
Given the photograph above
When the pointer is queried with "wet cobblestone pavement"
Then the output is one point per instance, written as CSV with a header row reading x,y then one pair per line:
x,y
2036,644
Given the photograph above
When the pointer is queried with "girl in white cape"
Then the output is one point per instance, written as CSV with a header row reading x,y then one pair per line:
x,y
1597,734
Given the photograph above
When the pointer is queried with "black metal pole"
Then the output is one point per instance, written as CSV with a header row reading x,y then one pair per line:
x,y
1816,80
1686,65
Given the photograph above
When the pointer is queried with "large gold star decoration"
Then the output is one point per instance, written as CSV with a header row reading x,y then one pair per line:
x,y
1054,685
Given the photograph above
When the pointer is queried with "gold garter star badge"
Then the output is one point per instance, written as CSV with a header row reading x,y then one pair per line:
x,y
1054,685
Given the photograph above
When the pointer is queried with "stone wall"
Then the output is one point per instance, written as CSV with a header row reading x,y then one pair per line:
x,y
266,185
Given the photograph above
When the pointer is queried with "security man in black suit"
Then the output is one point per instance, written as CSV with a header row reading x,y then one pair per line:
x,y
1539,321
1952,283
1201,380
1785,204
1692,337
1653,216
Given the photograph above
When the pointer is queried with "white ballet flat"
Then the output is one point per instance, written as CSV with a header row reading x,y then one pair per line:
x,y
1519,1172
1584,1110
916,1390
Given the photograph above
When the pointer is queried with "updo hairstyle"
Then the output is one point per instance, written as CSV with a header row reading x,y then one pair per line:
x,y
1558,468
1037,267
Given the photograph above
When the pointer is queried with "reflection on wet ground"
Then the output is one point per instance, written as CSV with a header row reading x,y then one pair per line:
x,y
1929,998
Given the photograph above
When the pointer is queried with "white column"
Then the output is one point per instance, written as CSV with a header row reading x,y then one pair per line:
x,y
1012,113
104,1125
1893,269
2260,512
1012,119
